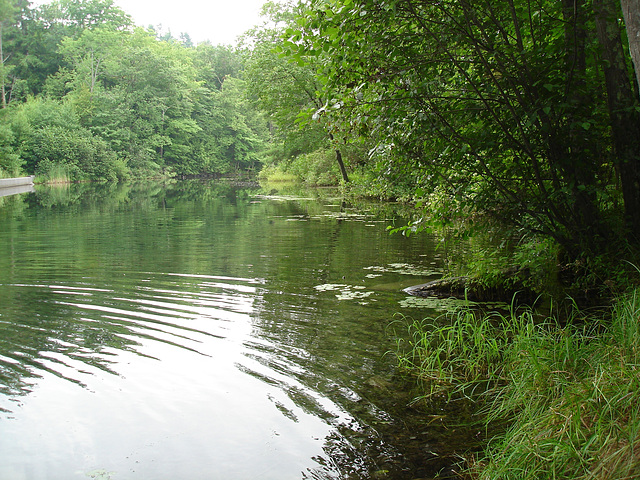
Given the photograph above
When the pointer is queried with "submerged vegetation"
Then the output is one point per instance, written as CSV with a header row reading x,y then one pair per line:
x,y
555,399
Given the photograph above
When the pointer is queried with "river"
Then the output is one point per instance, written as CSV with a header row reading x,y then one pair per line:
x,y
205,330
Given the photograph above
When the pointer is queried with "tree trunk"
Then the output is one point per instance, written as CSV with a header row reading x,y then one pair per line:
x,y
2,76
624,119
631,12
588,230
343,170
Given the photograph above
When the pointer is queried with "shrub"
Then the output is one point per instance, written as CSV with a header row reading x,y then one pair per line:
x,y
10,162
77,152
316,168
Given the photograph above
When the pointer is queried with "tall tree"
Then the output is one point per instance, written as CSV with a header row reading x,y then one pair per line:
x,y
288,90
7,13
232,132
88,53
497,103
79,15
623,106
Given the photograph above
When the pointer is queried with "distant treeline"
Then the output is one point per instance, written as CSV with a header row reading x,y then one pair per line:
x,y
87,95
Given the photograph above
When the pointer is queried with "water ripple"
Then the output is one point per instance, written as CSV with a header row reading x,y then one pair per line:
x,y
75,330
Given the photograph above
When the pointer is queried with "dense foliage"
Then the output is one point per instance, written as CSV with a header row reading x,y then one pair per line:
x,y
87,95
525,110
285,91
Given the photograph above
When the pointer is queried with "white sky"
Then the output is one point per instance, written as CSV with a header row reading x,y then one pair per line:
x,y
220,21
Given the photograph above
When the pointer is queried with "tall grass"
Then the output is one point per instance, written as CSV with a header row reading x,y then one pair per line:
x,y
275,174
52,173
565,399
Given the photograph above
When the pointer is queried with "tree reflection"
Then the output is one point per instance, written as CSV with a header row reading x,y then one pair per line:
x,y
63,273
89,272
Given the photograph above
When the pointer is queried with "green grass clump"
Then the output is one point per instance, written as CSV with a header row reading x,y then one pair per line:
x,y
564,399
455,355
52,173
275,174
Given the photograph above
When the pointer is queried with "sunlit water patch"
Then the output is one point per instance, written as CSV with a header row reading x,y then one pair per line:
x,y
160,393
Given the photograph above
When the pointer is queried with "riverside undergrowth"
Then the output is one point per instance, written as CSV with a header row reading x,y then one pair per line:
x,y
561,400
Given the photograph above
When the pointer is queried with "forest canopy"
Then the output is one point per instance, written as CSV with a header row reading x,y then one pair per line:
x,y
88,95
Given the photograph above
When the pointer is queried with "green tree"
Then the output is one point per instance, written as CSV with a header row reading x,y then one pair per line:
x,y
87,55
215,63
34,52
7,17
286,90
233,132
37,33
496,103
80,15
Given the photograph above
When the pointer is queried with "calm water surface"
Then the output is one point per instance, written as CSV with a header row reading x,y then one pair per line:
x,y
205,331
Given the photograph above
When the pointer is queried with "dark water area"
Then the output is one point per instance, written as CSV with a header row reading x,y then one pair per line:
x,y
201,330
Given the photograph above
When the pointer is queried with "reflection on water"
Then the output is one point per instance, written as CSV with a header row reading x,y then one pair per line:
x,y
204,331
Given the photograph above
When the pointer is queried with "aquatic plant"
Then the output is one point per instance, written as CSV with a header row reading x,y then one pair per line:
x,y
564,399
458,352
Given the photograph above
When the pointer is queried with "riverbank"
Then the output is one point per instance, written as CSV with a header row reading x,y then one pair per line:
x,y
561,400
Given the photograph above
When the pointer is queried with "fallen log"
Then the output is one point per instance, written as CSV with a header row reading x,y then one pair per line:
x,y
510,284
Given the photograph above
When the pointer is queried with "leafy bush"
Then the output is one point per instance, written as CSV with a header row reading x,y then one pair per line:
x,y
42,112
316,168
10,162
48,137
81,155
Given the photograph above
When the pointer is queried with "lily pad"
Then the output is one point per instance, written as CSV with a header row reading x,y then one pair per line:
x,y
404,269
352,295
345,292
330,286
447,304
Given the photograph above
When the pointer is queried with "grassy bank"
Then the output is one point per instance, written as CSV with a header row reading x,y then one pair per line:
x,y
564,399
